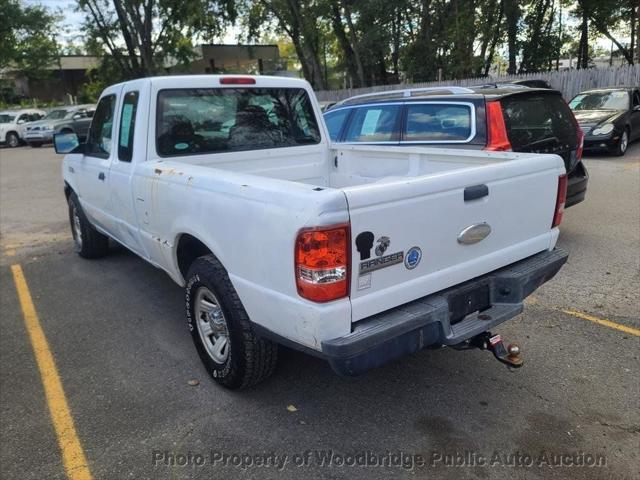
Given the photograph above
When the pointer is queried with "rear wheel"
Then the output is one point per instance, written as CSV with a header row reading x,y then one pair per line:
x,y
623,143
88,241
221,330
13,140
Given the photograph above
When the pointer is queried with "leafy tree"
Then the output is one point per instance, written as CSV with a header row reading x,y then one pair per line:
x,y
300,20
27,38
141,35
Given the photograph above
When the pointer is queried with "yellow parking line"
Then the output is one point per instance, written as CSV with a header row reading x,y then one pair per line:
x,y
604,322
629,166
73,456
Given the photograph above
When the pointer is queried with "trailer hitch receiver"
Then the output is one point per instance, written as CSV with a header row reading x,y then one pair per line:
x,y
509,355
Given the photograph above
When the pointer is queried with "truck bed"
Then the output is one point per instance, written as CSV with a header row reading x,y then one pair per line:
x,y
351,165
416,198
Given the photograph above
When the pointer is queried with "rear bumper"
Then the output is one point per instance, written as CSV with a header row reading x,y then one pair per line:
x,y
577,185
428,321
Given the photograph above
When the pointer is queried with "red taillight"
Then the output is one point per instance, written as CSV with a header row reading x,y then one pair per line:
x,y
237,81
497,138
561,198
322,263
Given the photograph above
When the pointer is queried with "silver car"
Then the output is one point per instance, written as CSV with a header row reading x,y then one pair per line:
x,y
72,119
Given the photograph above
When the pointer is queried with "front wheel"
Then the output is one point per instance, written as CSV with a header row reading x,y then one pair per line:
x,y
88,241
623,143
221,330
13,140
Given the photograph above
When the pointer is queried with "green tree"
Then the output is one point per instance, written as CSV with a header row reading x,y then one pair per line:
x,y
141,35
301,21
27,38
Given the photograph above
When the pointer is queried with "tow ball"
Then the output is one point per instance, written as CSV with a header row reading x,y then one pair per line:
x,y
509,355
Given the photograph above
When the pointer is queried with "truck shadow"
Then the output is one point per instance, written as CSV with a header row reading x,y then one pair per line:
x,y
434,403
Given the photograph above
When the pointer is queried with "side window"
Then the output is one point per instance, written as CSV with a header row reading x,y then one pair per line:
x,y
127,126
438,122
23,118
335,121
374,124
100,133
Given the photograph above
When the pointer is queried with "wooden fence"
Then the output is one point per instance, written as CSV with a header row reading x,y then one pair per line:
x,y
569,82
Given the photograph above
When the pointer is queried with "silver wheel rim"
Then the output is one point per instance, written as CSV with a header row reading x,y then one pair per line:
x,y
212,326
623,142
13,141
77,230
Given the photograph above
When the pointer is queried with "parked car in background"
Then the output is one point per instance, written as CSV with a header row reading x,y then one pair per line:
x,y
72,119
507,118
609,117
13,124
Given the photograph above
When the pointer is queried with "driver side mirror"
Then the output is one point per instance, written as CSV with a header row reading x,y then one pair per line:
x,y
21,121
77,116
67,143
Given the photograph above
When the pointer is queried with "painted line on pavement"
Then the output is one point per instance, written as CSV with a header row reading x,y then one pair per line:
x,y
602,321
75,462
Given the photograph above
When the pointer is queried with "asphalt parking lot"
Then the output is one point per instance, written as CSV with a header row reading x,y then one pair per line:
x,y
117,333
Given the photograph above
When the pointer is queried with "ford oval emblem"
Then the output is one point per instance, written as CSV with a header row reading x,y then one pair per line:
x,y
474,233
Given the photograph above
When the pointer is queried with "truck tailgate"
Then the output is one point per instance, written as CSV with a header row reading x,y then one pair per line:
x,y
418,235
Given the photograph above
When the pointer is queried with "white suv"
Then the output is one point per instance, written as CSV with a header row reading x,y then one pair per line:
x,y
13,125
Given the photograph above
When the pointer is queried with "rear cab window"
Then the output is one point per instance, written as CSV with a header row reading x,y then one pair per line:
x,y
539,122
127,126
198,121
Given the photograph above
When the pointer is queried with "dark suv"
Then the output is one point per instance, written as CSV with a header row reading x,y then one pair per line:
x,y
513,118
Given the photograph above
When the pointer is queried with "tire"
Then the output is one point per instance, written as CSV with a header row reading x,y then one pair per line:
x,y
215,312
623,144
35,144
12,140
88,241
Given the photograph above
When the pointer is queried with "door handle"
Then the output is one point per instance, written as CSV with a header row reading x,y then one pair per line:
x,y
475,192
101,176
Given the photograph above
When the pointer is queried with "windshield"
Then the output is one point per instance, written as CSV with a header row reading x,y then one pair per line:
x,y
5,118
56,114
616,100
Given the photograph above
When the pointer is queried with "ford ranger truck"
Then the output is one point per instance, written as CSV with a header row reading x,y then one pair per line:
x,y
357,254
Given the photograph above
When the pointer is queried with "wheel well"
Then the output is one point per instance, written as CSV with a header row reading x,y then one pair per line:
x,y
189,248
10,132
66,130
67,190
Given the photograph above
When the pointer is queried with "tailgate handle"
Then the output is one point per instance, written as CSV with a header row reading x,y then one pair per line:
x,y
475,192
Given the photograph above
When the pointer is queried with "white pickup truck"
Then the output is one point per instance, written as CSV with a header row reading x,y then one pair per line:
x,y
357,254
